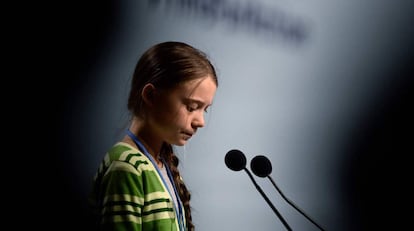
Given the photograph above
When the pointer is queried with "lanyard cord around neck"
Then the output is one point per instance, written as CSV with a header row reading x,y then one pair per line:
x,y
146,153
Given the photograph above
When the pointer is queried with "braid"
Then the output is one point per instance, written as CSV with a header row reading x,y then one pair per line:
x,y
172,160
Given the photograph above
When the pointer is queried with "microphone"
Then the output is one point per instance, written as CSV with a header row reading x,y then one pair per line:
x,y
261,167
236,161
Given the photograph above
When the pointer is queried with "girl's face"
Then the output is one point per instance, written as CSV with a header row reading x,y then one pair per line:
x,y
179,112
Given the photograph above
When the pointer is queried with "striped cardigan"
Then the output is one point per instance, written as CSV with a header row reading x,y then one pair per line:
x,y
129,195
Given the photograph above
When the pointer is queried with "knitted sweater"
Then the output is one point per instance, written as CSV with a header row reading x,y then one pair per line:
x,y
129,194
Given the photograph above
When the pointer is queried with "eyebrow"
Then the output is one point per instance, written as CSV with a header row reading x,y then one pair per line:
x,y
192,100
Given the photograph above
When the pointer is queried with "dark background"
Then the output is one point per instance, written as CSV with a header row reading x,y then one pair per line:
x,y
89,27
51,48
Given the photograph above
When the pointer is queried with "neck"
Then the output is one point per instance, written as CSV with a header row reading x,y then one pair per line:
x,y
146,137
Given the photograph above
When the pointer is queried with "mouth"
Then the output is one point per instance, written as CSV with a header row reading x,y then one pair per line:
x,y
187,135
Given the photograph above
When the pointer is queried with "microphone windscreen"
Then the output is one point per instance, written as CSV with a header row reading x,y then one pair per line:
x,y
235,160
261,166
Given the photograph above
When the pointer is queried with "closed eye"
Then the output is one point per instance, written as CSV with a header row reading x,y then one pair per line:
x,y
191,108
193,105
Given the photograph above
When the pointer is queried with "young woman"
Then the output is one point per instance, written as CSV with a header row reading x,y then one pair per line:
x,y
138,185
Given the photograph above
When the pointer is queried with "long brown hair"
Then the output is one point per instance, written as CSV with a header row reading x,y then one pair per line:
x,y
166,65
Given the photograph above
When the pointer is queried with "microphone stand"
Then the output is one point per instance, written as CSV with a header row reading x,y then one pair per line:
x,y
268,201
293,205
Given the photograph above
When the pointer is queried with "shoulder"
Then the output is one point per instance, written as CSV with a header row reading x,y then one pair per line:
x,y
124,155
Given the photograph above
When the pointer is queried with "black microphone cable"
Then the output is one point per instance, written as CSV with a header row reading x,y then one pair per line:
x,y
236,161
261,167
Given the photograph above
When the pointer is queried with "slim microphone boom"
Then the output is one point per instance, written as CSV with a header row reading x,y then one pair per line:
x,y
236,161
261,167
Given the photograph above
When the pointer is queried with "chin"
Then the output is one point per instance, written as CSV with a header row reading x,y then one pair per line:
x,y
181,142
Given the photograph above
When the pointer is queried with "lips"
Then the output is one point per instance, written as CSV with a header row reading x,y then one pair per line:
x,y
188,134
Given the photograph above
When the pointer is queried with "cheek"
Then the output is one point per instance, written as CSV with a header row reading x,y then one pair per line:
x,y
164,106
171,115
179,117
170,111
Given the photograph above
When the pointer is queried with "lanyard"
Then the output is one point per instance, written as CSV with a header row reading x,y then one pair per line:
x,y
178,204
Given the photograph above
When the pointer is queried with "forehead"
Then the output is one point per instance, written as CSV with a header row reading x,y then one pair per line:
x,y
202,89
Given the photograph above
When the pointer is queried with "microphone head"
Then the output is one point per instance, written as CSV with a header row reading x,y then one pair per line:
x,y
235,160
261,166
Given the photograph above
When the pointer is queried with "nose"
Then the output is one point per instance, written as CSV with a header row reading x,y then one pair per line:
x,y
198,120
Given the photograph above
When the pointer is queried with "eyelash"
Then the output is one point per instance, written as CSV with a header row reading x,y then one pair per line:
x,y
191,109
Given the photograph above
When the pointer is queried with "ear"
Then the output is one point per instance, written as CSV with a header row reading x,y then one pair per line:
x,y
148,94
